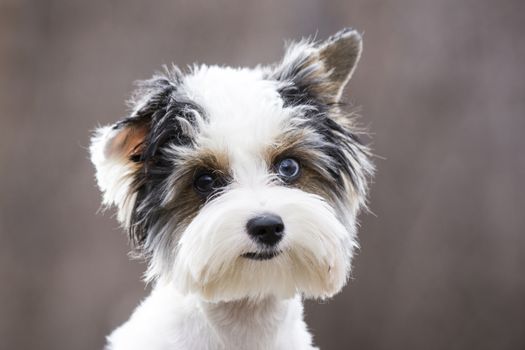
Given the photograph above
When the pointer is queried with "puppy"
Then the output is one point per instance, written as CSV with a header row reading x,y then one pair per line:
x,y
240,187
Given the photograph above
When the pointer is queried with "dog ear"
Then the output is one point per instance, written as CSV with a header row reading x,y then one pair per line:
x,y
321,70
116,150
340,55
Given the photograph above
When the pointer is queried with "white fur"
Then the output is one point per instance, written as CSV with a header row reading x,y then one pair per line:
x,y
246,111
206,294
192,306
168,320
316,249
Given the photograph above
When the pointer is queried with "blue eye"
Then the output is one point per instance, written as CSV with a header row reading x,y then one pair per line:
x,y
288,169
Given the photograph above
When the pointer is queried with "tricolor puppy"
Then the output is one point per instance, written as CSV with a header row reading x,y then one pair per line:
x,y
240,187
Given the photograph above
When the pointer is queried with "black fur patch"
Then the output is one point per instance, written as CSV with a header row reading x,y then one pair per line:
x,y
161,110
300,80
338,140
300,89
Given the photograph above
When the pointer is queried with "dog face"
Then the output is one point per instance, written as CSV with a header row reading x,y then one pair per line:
x,y
239,183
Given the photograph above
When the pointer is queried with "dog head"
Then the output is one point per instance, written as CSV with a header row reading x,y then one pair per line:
x,y
239,183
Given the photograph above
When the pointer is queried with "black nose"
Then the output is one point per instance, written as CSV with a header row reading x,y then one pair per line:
x,y
267,229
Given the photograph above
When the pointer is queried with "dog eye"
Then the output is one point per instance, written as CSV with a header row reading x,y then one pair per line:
x,y
206,183
288,169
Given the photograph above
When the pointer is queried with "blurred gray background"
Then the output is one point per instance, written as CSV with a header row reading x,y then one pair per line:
x,y
442,86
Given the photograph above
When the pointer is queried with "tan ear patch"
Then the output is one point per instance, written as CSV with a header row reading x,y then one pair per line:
x,y
127,142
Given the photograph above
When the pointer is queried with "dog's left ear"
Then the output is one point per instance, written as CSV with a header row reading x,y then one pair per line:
x,y
321,70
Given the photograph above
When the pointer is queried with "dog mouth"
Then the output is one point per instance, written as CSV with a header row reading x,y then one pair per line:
x,y
261,255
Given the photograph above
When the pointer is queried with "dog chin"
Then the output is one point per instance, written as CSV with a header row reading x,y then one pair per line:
x,y
256,275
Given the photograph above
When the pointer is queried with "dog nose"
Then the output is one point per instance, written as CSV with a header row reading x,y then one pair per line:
x,y
267,229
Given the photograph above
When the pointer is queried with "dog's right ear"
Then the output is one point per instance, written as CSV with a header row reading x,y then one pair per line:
x,y
116,150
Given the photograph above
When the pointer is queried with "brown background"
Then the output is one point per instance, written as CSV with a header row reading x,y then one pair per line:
x,y
442,86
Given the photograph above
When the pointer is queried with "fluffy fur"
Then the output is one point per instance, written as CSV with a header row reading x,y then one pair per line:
x,y
236,125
